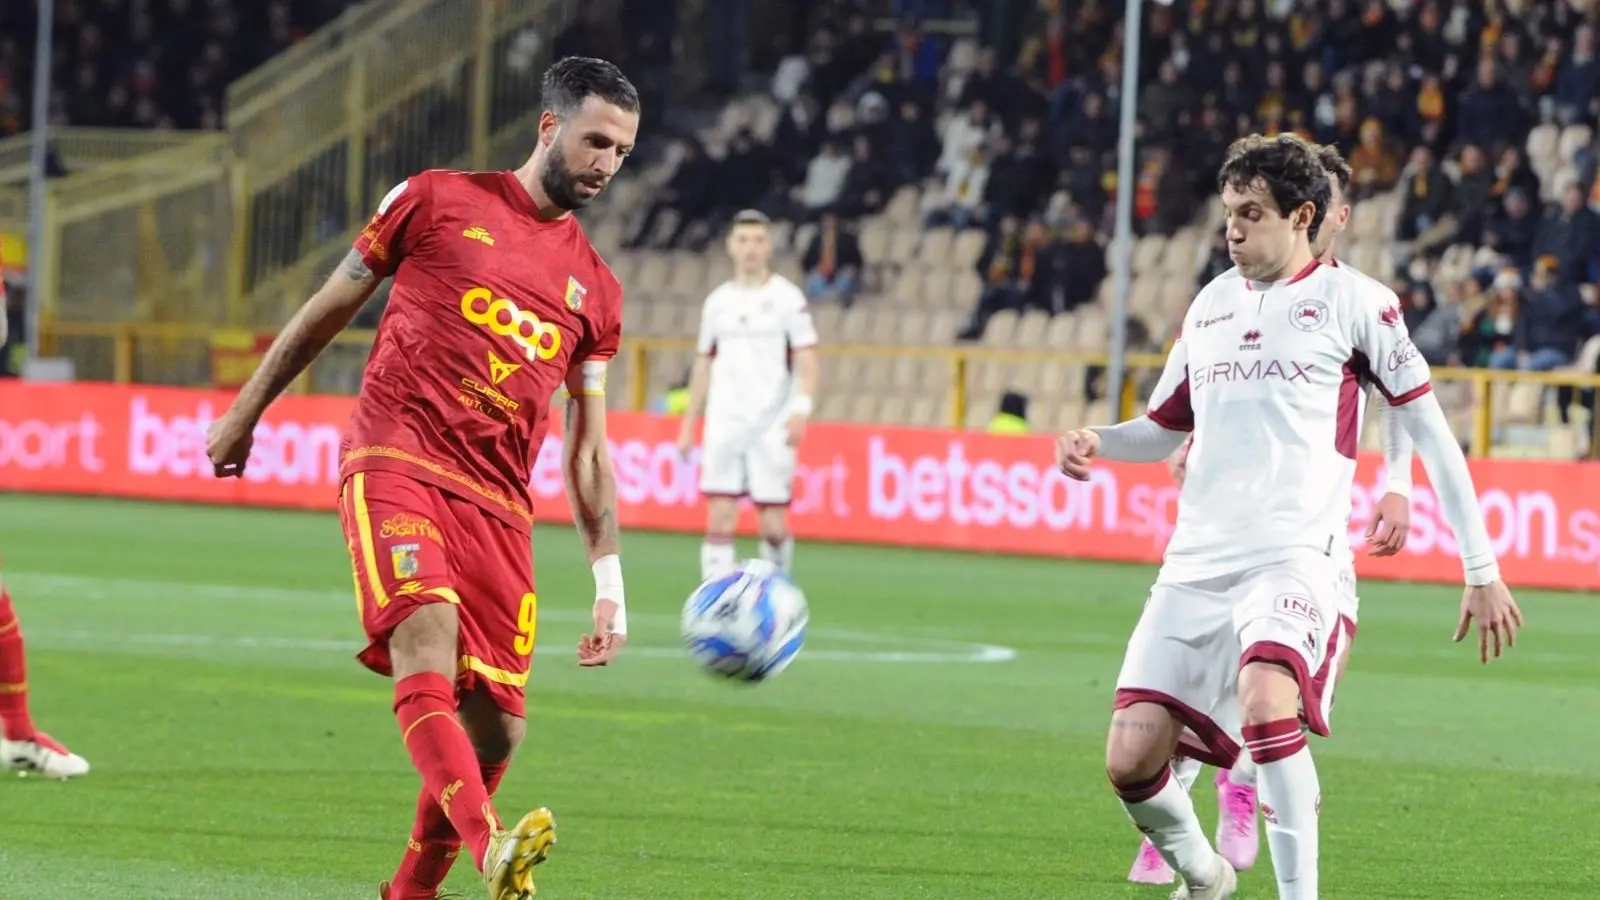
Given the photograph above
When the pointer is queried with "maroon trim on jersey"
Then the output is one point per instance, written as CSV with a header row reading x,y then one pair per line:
x,y
1364,368
1175,413
1208,743
1347,411
1311,686
1304,273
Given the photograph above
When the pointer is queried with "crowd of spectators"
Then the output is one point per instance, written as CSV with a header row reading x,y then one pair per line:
x,y
145,63
1432,98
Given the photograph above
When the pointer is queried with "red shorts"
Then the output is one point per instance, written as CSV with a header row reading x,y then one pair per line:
x,y
412,544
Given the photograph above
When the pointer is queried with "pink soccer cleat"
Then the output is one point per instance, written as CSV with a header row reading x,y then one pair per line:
x,y
1149,867
1237,840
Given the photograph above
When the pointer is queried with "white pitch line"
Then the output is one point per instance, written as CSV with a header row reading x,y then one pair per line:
x,y
922,650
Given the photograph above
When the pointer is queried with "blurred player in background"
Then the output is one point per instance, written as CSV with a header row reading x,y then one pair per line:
x,y
1237,837
23,747
498,301
1240,631
754,377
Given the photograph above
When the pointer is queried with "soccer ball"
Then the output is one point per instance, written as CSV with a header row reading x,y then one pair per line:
x,y
747,625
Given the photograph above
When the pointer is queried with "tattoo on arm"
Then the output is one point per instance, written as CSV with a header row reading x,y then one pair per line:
x,y
355,268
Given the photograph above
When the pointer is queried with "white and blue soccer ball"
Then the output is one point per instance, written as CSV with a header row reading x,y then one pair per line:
x,y
748,624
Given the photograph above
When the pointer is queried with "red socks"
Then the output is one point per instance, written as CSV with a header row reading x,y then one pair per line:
x,y
434,845
15,724
425,706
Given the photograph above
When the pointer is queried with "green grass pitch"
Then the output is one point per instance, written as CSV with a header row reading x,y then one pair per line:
x,y
940,737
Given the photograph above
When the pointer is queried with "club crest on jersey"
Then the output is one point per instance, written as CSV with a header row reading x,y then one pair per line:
x,y
1252,340
1309,314
575,294
404,559
1390,315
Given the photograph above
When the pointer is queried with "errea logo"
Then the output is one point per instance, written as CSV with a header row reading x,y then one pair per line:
x,y
538,340
481,235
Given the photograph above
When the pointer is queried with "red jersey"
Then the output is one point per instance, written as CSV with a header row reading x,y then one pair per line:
x,y
490,309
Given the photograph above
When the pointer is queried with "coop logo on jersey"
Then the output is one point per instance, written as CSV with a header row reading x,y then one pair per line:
x,y
499,369
1309,314
539,340
404,559
1252,340
575,294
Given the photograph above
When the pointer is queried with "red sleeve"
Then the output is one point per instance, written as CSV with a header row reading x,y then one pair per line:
x,y
608,329
395,228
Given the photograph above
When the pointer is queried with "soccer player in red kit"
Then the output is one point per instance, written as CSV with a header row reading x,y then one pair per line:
x,y
24,747
498,301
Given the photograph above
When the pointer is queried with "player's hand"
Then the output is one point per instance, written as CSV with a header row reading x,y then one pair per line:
x,y
1074,450
228,443
685,440
1497,615
599,646
795,429
1391,525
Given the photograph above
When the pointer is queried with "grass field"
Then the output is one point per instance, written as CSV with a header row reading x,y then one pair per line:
x,y
940,737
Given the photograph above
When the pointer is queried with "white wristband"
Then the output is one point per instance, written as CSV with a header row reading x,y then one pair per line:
x,y
801,405
608,586
1480,573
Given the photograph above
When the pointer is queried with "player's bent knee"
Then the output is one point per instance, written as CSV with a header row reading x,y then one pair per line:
x,y
426,641
1141,742
1268,692
495,734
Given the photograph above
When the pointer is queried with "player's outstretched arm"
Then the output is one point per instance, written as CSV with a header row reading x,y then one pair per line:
x,y
1378,331
1152,437
308,333
592,492
699,381
1391,520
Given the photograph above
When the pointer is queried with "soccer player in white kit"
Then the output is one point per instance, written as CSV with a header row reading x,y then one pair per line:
x,y
755,374
1240,631
1236,837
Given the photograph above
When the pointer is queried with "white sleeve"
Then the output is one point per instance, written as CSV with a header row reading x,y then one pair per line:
x,y
1395,366
1425,421
1397,448
706,345
1165,425
1382,345
798,326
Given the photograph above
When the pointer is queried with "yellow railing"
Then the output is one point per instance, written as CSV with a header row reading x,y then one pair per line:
x,y
87,149
181,354
236,229
389,89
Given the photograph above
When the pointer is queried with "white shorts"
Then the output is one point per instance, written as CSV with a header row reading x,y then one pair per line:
x,y
1191,641
761,468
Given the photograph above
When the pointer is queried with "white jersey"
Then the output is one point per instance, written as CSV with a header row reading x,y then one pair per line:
x,y
1269,378
750,332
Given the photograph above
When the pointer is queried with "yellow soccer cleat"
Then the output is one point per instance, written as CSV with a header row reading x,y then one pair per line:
x,y
512,854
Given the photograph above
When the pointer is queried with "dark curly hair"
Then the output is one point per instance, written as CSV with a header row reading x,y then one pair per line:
x,y
1333,163
1287,165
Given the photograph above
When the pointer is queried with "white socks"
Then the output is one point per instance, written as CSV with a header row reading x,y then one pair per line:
x,y
780,554
1162,810
1244,771
1186,770
1291,802
717,557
